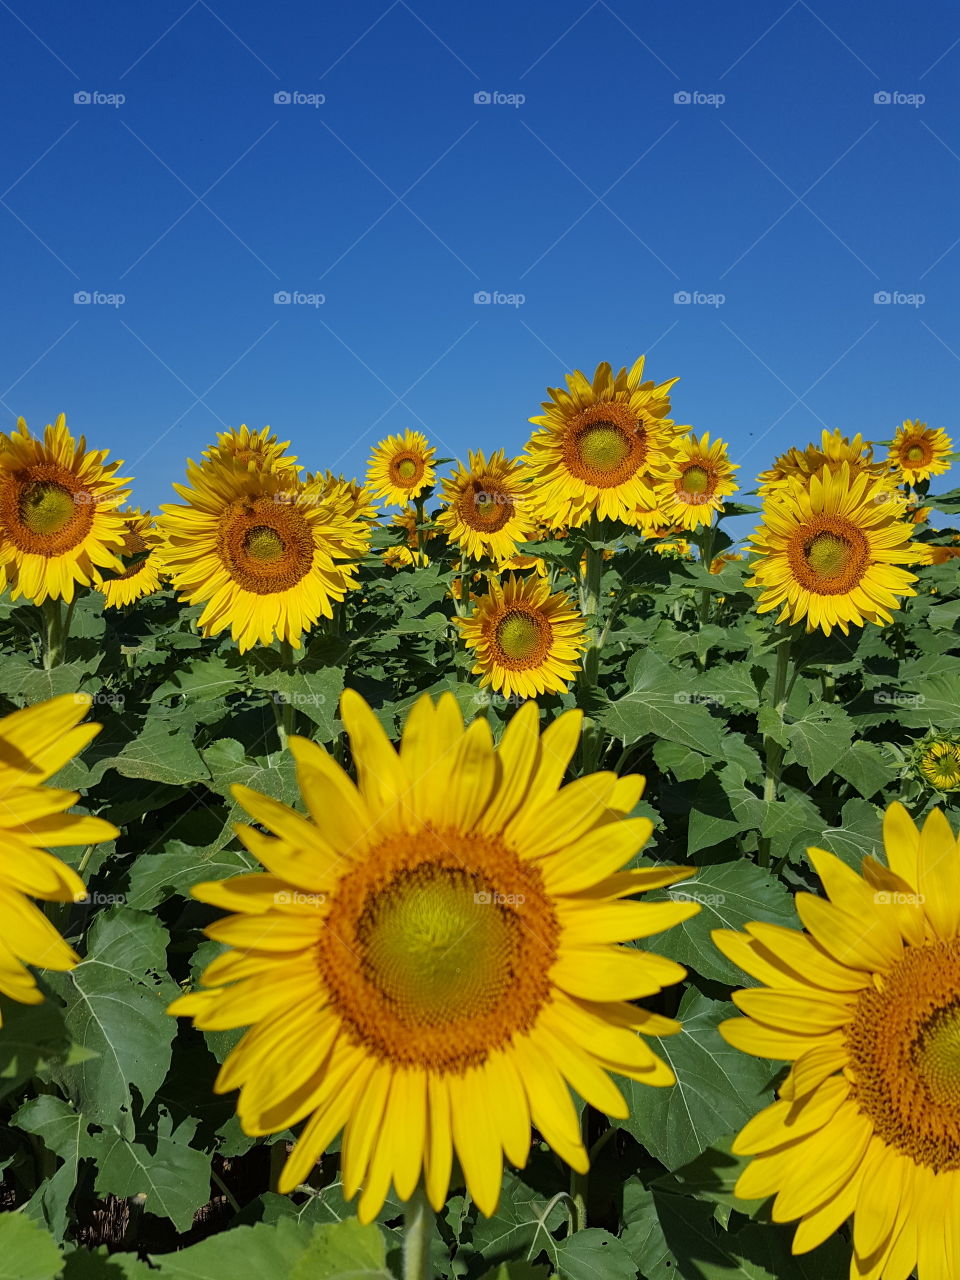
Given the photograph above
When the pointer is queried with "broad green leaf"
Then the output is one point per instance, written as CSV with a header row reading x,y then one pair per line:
x,y
523,1224
203,680
859,834
27,1252
162,752
173,1177
63,1132
343,1251
154,877
594,1254
819,739
242,1253
865,767
662,703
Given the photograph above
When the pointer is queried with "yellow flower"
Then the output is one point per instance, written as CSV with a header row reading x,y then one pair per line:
x,y
402,557
401,468
59,523
719,563
939,763
700,477
143,575
678,547
353,498
940,555
864,1005
433,957
829,553
487,506
919,452
602,446
835,449
527,641
36,743
254,450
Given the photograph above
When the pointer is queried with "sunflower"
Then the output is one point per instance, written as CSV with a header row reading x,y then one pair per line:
x,y
829,553
401,468
36,743
919,452
265,553
700,477
719,563
864,1005
401,557
938,761
940,555
527,641
142,574
432,957
254,450
487,508
677,547
353,498
835,449
58,519
602,446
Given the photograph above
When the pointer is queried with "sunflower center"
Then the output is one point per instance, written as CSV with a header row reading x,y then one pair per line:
x,y
406,469
695,480
916,453
45,510
264,544
518,636
436,947
605,445
485,506
46,507
828,554
904,1044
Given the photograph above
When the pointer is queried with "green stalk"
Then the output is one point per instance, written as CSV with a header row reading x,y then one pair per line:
x,y
55,636
707,539
773,750
417,1230
589,584
283,711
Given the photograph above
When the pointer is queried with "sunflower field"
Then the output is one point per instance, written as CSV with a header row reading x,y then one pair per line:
x,y
497,868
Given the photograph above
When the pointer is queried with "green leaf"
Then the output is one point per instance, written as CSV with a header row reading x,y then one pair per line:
x,y
518,1271
154,877
27,1252
202,680
63,1132
865,767
162,752
313,694
523,1224
819,739
32,1038
662,704
343,1251
859,835
173,1178
26,684
243,1253
98,1264
593,1254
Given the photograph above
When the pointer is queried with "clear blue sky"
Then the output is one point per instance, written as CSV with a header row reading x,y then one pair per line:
x,y
598,198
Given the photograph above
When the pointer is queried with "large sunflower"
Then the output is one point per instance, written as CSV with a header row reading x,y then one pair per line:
x,y
830,553
602,446
700,477
864,1004
266,554
433,957
142,574
36,743
58,519
487,506
527,641
919,452
254,450
401,468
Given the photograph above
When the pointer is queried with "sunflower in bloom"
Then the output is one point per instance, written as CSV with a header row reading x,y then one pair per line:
x,y
832,553
142,574
864,1006
433,957
401,468
354,498
527,641
700,477
36,743
602,446
254,450
266,554
401,557
919,452
719,563
938,761
59,523
835,449
486,506
940,555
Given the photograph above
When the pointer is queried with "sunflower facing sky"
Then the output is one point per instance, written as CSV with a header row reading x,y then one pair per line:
x,y
919,452
59,523
834,449
266,554
602,446
526,641
142,574
831,553
700,477
433,958
255,450
864,1005
487,506
401,468
36,743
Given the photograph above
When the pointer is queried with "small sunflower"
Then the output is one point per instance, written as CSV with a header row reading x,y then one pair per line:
x,y
59,523
719,563
142,574
265,553
864,1006
938,761
255,450
401,557
700,477
487,508
602,446
835,449
401,468
676,547
830,553
919,452
527,641
352,497
433,957
940,555
36,743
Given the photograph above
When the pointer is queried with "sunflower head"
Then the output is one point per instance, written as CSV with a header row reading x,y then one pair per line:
x,y
835,450
350,496
719,563
142,574
59,524
937,761
919,452
699,479
602,446
525,640
434,954
401,468
487,506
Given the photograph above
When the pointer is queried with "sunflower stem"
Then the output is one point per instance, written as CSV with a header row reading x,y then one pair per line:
x,y
772,748
54,633
417,1230
707,539
590,582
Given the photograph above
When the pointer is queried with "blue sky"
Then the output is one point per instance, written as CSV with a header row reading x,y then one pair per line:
x,y
775,181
